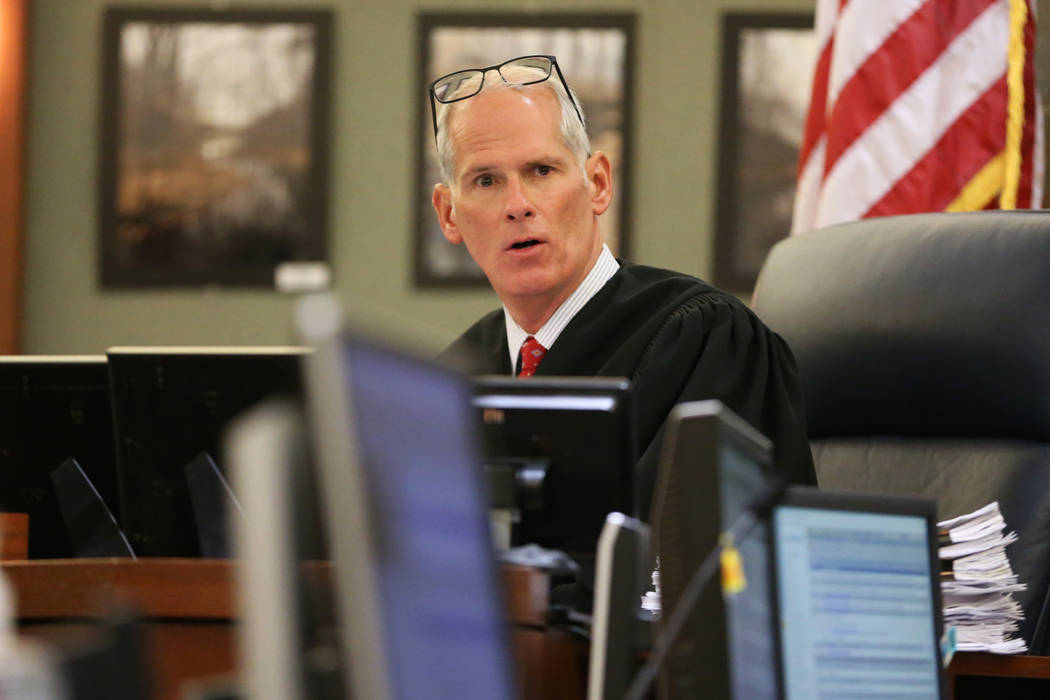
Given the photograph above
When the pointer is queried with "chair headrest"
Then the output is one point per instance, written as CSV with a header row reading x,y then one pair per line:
x,y
926,324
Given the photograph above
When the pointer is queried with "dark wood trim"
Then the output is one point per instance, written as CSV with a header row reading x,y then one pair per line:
x,y
12,168
195,588
727,233
157,588
526,592
971,663
190,611
1006,667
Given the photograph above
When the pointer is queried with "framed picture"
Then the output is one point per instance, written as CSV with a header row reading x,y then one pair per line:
x,y
213,141
595,53
767,71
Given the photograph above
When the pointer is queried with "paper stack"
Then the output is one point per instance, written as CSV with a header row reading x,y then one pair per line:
x,y
651,599
977,583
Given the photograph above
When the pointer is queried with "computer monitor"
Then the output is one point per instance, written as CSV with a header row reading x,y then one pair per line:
x,y
618,631
287,635
714,467
53,409
169,406
859,595
580,431
395,439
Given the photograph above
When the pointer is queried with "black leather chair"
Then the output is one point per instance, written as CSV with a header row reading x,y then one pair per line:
x,y
923,344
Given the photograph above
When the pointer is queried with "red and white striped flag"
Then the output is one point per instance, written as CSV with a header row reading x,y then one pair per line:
x,y
920,105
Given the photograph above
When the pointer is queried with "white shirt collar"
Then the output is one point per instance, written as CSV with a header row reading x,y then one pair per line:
x,y
604,268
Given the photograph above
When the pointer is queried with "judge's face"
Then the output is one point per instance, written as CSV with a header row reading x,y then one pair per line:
x,y
519,199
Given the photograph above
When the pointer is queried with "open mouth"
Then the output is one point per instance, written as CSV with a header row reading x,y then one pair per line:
x,y
521,245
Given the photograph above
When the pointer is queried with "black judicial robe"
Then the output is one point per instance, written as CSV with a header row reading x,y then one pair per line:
x,y
677,339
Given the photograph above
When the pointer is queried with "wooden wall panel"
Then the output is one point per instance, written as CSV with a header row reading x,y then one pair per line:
x,y
12,161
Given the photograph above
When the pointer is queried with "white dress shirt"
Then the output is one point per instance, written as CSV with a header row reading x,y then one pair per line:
x,y
604,268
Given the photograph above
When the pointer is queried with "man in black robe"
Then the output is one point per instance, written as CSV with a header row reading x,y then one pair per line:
x,y
523,192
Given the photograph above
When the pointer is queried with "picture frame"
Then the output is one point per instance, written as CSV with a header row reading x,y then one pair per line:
x,y
212,162
596,56
767,71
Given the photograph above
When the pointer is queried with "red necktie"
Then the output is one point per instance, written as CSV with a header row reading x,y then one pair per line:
x,y
531,354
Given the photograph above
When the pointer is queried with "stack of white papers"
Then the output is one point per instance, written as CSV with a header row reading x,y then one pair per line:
x,y
978,583
651,599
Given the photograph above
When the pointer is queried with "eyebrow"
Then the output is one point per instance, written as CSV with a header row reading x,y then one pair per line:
x,y
486,168
551,160
478,170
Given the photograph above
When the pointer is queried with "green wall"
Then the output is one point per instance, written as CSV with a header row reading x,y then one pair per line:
x,y
372,181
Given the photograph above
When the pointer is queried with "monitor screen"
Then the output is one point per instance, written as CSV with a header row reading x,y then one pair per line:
x,y
53,409
580,430
749,612
170,405
859,599
440,608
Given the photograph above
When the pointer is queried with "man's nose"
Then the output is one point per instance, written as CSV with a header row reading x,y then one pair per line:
x,y
517,205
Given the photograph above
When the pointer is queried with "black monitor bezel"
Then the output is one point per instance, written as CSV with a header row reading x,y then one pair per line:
x,y
62,373
704,427
553,388
141,507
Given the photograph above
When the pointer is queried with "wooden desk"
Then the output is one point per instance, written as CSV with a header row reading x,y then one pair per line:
x,y
981,675
189,609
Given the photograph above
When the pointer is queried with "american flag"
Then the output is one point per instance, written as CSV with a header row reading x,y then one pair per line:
x,y
920,105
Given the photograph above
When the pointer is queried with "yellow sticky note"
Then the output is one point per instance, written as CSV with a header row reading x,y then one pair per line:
x,y
733,578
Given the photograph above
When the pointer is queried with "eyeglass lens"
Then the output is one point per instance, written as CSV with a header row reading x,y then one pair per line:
x,y
531,69
465,83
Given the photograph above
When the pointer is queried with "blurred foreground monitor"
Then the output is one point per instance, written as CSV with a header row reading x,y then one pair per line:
x,y
395,439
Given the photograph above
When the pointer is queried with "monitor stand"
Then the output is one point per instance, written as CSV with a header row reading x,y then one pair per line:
x,y
213,505
90,526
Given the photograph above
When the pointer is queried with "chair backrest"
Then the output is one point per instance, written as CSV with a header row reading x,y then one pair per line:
x,y
923,345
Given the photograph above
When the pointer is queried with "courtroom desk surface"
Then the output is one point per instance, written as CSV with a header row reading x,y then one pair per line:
x,y
160,588
189,608
1010,677
193,588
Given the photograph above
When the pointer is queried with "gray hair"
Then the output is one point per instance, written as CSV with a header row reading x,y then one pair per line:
x,y
573,130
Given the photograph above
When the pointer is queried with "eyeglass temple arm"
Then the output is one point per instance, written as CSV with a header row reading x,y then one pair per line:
x,y
433,112
568,91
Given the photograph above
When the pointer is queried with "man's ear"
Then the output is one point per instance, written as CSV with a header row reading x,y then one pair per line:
x,y
446,213
599,179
